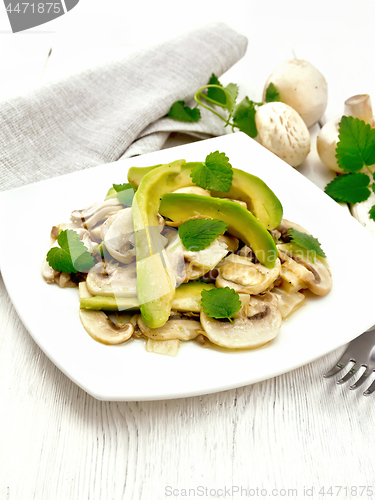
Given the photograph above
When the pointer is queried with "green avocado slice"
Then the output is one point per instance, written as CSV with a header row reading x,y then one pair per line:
x,y
260,199
241,222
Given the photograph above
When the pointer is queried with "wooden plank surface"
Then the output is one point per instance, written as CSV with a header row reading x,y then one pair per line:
x,y
294,432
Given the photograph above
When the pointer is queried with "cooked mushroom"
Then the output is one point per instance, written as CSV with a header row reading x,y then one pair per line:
x,y
118,236
283,132
288,302
96,212
193,190
101,328
199,263
245,276
166,347
177,327
256,324
112,280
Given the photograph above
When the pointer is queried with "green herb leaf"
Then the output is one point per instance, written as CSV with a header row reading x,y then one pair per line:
x,y
216,93
198,234
72,256
179,111
372,212
220,302
306,241
356,146
244,117
125,193
349,188
272,94
215,173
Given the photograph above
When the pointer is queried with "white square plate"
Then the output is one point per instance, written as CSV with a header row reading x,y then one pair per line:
x,y
127,372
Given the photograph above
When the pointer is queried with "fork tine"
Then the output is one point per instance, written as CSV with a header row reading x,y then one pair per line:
x,y
370,390
341,363
362,378
349,375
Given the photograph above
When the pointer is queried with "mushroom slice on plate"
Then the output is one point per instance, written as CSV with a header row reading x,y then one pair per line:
x,y
288,302
316,275
199,263
102,329
111,280
118,237
245,276
257,323
166,347
96,212
177,327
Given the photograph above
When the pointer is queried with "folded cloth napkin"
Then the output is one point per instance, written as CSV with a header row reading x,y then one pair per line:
x,y
115,110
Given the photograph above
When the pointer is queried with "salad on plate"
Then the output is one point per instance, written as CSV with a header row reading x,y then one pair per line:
x,y
187,251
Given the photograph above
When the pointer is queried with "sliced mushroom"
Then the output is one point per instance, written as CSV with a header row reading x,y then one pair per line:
x,y
199,263
294,275
102,329
256,324
193,190
177,327
288,302
96,212
245,276
112,280
166,347
311,270
118,237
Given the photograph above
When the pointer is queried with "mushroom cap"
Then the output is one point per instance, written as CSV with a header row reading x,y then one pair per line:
x,y
102,329
303,87
283,132
118,236
111,280
326,144
177,327
256,324
245,276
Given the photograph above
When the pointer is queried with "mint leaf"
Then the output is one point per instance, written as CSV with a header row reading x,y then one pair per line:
x,y
72,256
225,97
372,212
272,94
198,234
305,240
244,117
356,146
125,193
216,93
184,113
349,188
220,302
215,173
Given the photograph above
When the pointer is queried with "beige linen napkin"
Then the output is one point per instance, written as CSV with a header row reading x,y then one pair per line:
x,y
112,111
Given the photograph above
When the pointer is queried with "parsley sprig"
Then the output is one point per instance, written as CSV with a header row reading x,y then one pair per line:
x,y
72,256
220,303
355,150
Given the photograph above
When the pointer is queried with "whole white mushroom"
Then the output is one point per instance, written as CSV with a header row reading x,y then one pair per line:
x,y
302,86
283,132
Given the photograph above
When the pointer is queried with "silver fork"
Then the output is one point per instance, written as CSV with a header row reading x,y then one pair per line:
x,y
361,351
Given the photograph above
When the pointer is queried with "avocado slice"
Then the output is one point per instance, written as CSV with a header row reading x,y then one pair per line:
x,y
241,222
260,199
188,296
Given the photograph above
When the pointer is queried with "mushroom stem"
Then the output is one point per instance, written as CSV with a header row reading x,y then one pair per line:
x,y
359,106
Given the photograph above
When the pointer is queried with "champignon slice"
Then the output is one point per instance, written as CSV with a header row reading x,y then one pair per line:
x,y
111,280
193,190
199,263
256,324
177,327
316,276
244,276
294,275
288,302
102,329
96,212
166,347
118,238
